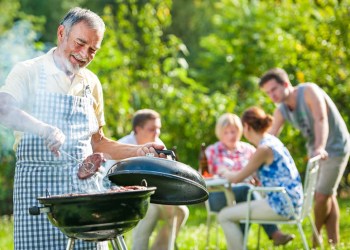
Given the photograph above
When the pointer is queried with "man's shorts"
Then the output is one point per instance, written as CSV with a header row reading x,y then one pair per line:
x,y
330,174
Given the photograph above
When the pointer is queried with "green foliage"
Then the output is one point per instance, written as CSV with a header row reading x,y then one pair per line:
x,y
7,170
6,232
142,67
191,21
308,39
7,17
51,12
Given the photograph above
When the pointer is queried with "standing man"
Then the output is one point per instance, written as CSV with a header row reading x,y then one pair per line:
x,y
55,104
308,108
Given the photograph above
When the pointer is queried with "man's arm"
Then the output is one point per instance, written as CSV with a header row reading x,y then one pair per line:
x,y
116,151
317,105
277,124
13,117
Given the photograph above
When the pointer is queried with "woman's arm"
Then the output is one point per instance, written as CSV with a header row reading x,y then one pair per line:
x,y
263,155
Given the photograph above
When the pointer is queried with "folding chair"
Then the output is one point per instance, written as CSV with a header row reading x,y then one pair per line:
x,y
306,211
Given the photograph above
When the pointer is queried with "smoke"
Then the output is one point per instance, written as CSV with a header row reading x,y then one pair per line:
x,y
98,183
6,140
17,44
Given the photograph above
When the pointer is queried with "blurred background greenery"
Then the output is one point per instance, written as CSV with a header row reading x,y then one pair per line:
x,y
191,60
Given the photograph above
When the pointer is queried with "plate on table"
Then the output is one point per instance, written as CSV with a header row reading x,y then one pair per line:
x,y
207,178
211,177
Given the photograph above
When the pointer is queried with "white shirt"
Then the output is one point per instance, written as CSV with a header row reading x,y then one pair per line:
x,y
23,81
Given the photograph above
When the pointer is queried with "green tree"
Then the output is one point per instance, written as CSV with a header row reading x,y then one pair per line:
x,y
7,17
141,66
18,36
191,20
51,11
6,154
306,38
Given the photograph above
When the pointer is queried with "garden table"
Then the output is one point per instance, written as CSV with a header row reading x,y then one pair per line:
x,y
217,184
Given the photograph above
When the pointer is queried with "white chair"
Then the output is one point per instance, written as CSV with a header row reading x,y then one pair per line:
x,y
306,210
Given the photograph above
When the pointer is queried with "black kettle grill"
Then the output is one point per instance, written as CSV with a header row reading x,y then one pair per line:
x,y
106,216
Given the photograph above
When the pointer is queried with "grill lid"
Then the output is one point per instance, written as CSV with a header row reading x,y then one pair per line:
x,y
176,182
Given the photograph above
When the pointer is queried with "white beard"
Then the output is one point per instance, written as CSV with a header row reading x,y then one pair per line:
x,y
74,69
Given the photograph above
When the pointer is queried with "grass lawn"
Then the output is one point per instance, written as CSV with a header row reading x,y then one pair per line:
x,y
193,235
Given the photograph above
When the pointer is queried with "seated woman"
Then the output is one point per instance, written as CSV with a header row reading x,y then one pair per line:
x,y
275,167
231,154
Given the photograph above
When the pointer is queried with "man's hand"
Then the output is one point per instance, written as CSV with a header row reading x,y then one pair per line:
x,y
54,138
323,153
150,148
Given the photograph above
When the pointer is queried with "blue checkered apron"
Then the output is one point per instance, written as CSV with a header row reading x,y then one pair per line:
x,y
39,171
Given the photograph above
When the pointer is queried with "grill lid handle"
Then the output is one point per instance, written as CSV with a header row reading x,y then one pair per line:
x,y
167,152
38,210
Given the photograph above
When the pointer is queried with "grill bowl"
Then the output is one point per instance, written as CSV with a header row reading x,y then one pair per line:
x,y
100,216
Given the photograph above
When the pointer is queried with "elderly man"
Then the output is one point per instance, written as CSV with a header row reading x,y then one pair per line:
x,y
55,104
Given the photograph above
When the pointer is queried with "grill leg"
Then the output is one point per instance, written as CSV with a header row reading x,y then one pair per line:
x,y
119,243
70,244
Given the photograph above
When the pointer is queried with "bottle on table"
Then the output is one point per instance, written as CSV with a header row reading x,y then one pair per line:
x,y
203,162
